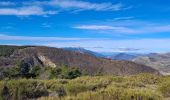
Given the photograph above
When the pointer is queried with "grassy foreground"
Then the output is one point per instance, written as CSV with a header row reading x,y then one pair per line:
x,y
137,87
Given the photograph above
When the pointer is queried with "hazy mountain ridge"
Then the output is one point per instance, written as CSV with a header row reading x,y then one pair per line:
x,y
124,56
159,61
47,56
84,51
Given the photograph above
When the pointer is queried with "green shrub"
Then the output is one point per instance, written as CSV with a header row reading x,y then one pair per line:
x,y
65,72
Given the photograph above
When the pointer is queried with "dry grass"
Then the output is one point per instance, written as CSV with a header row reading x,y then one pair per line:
x,y
137,87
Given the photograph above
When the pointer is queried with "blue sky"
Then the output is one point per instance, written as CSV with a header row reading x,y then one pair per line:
x,y
98,25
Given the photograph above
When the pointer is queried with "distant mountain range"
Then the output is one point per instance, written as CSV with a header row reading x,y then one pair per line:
x,y
124,56
53,57
112,55
84,51
159,61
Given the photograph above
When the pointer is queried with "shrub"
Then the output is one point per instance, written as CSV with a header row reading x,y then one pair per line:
x,y
65,72
9,72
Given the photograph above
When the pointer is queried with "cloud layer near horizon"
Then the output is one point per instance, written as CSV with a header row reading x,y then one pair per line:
x,y
99,45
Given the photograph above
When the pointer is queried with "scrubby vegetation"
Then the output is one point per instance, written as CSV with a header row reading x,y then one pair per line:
x,y
6,51
36,72
136,87
69,83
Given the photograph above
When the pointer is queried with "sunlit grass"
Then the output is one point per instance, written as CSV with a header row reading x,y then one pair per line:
x,y
136,87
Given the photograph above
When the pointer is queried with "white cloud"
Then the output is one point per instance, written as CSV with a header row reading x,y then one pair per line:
x,y
38,7
94,27
105,28
46,25
79,5
146,29
124,49
29,38
28,8
86,5
123,18
25,11
143,29
6,3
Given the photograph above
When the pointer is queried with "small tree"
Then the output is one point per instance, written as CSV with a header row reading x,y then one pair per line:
x,y
73,73
65,72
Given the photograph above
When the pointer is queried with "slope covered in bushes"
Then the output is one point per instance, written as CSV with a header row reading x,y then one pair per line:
x,y
6,50
137,87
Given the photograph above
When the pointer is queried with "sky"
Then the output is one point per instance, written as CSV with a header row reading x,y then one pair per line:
x,y
98,25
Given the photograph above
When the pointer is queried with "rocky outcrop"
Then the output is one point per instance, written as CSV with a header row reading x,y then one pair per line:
x,y
46,61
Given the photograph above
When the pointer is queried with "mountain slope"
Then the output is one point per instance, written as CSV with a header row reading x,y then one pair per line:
x,y
157,61
123,56
53,57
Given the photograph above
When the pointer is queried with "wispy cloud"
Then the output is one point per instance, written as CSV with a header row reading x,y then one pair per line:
x,y
123,18
106,28
6,3
29,38
25,11
82,5
131,29
125,49
79,5
28,8
144,29
46,25
94,27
